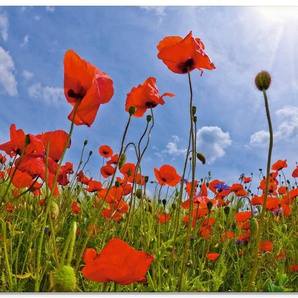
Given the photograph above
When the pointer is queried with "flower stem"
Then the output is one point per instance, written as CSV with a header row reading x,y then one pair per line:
x,y
193,170
254,270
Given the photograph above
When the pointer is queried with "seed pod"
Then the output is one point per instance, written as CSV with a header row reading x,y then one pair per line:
x,y
263,80
64,280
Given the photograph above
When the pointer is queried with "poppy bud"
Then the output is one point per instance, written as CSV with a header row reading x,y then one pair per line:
x,y
253,226
194,110
284,228
173,206
122,160
139,193
131,110
117,183
149,117
164,202
195,118
227,210
263,80
54,210
201,157
209,205
64,280
85,142
146,179
90,153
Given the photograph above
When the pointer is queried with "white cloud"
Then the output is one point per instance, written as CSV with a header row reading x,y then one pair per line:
x,y
50,9
172,147
27,74
4,26
212,141
50,95
287,130
259,139
25,40
7,78
158,10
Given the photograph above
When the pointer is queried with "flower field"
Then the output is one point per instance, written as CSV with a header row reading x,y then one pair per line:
x,y
62,231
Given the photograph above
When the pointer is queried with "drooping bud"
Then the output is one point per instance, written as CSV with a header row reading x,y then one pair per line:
x,y
132,110
148,118
64,280
194,110
139,193
263,80
122,160
201,157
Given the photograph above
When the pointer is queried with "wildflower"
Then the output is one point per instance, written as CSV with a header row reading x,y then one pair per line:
x,y
145,96
9,208
2,159
86,87
163,217
184,54
243,216
227,235
279,165
265,246
117,262
82,178
105,151
17,142
76,208
107,171
93,186
167,175
212,256
295,173
293,268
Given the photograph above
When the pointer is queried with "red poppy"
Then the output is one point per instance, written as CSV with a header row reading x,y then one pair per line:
x,y
2,159
145,96
76,208
214,184
167,175
107,171
280,164
257,200
246,180
227,235
293,268
118,262
265,246
9,208
105,151
85,86
17,142
282,190
56,140
208,222
295,173
94,186
163,217
20,179
243,216
82,178
184,54
113,160
212,256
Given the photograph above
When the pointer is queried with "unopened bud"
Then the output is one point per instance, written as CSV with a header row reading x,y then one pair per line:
x,y
201,157
64,280
122,160
132,110
263,80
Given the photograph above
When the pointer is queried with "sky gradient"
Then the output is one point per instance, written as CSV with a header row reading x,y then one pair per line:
x,y
121,41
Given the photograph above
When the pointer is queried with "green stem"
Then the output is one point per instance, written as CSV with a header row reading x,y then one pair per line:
x,y
254,270
192,190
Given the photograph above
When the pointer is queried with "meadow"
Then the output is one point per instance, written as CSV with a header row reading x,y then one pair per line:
x,y
62,231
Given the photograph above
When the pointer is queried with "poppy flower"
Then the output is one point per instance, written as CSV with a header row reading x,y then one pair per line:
x,y
75,208
82,178
17,142
293,268
117,262
246,180
184,54
279,165
2,159
265,246
93,186
9,208
212,256
105,151
163,217
85,87
107,171
295,173
144,96
227,235
282,190
56,140
243,216
167,175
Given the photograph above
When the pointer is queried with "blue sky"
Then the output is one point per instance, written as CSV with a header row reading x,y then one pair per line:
x,y
121,41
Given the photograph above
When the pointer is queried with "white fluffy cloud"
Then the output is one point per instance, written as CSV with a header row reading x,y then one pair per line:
x,y
25,40
212,142
172,147
4,26
158,10
287,129
27,74
50,95
8,81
